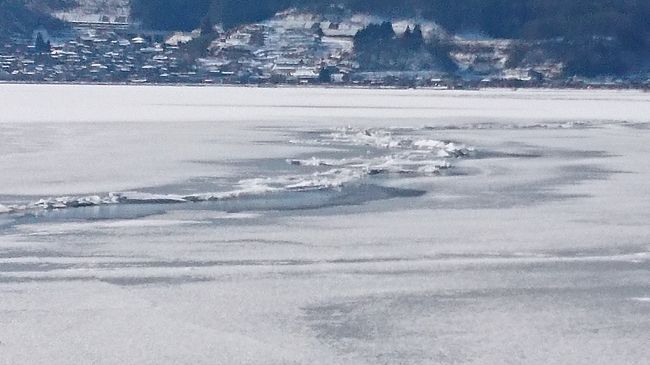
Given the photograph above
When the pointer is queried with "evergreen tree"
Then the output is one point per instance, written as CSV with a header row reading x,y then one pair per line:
x,y
207,27
406,37
412,40
318,31
325,75
417,38
40,45
407,32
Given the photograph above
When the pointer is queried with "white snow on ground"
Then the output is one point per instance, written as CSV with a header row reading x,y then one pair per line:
x,y
93,11
532,249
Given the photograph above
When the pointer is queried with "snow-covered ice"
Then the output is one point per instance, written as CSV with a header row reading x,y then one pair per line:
x,y
323,226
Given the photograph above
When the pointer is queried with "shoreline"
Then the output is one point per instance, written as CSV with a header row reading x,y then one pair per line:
x,y
327,86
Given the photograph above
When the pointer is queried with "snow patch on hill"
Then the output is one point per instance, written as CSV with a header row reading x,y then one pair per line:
x,y
97,11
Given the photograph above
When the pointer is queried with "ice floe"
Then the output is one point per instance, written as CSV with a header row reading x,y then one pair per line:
x,y
5,209
391,139
396,152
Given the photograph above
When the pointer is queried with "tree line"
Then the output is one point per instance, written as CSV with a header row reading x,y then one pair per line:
x,y
378,47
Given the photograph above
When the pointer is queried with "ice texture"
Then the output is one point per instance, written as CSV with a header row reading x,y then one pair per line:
x,y
323,226
395,153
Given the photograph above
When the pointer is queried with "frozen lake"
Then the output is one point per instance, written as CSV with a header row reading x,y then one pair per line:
x,y
165,225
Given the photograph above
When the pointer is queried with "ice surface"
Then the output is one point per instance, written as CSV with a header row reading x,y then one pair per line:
x,y
642,299
323,226
395,153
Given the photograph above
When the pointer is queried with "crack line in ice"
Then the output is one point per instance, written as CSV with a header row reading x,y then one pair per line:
x,y
398,155
516,126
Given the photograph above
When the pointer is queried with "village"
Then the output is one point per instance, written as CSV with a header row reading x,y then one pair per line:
x,y
291,48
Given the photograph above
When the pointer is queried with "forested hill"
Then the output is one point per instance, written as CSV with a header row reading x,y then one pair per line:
x,y
528,19
591,37
21,17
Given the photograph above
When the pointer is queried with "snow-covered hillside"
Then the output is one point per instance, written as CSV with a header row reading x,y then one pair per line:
x,y
92,11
